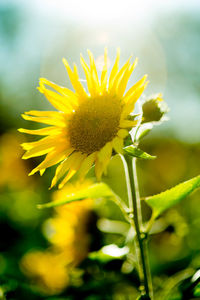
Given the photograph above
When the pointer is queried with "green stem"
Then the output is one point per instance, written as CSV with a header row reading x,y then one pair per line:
x,y
141,242
128,184
150,224
124,209
137,193
145,235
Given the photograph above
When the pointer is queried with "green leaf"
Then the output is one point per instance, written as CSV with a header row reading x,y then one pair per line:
x,y
108,253
143,130
161,202
136,152
197,290
96,190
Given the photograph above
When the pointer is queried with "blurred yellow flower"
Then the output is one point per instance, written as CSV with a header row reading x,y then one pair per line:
x,y
73,209
47,269
87,126
69,223
67,231
10,153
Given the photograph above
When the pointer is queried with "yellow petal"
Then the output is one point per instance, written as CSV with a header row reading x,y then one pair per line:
x,y
70,174
105,152
135,87
64,167
71,96
42,172
43,146
124,80
93,69
74,78
87,164
128,123
118,77
38,151
99,168
104,74
52,158
122,133
130,104
52,130
31,145
88,76
45,120
118,144
114,69
60,102
73,169
45,113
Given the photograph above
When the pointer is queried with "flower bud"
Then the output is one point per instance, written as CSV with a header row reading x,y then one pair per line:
x,y
154,108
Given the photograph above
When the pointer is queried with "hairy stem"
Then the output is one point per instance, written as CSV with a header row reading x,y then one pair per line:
x,y
141,241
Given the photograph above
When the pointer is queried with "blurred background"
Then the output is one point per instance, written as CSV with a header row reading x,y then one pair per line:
x,y
41,255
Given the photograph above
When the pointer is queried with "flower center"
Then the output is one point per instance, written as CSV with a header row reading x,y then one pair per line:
x,y
94,123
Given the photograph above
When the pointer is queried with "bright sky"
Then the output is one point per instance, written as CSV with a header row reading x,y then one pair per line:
x,y
109,10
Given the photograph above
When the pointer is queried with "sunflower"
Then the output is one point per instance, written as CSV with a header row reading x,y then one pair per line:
x,y
86,127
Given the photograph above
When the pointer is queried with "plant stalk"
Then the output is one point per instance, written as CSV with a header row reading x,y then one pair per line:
x,y
141,241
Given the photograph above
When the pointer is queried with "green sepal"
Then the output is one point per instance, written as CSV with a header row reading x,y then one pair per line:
x,y
136,152
133,117
161,202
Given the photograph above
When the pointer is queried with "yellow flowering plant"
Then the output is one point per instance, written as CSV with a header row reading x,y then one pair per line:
x,y
87,129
